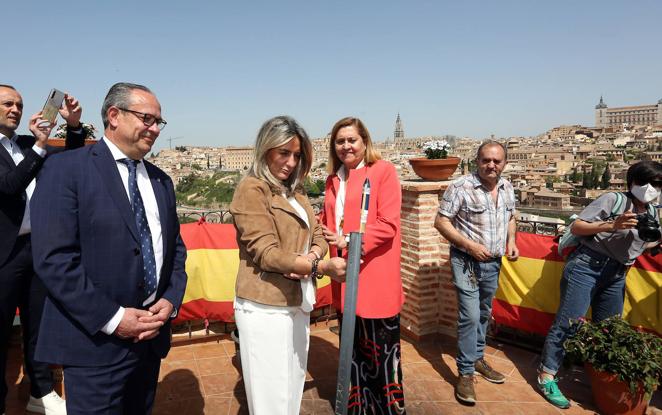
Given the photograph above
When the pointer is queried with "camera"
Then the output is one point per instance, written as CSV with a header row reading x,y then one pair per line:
x,y
648,227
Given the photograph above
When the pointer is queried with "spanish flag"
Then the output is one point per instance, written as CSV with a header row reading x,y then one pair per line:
x,y
528,293
211,265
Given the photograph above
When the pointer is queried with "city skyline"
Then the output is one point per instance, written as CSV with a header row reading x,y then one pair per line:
x,y
510,68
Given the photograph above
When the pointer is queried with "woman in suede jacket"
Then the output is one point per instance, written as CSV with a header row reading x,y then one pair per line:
x,y
280,249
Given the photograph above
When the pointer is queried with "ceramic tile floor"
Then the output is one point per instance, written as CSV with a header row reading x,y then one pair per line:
x,y
205,378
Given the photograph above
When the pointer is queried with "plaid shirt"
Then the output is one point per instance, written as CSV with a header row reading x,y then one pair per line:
x,y
469,206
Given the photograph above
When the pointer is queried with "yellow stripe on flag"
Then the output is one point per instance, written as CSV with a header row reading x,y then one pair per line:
x,y
531,283
642,300
211,274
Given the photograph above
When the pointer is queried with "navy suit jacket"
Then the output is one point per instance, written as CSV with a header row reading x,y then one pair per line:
x,y
14,179
86,250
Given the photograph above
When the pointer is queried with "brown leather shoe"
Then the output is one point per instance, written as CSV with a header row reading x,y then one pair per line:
x,y
464,389
487,372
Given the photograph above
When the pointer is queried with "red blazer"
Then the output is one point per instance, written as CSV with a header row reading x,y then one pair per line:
x,y
380,287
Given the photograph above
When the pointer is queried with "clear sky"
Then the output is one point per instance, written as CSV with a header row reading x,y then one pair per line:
x,y
220,68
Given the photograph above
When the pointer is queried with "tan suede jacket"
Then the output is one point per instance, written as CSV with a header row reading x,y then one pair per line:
x,y
270,235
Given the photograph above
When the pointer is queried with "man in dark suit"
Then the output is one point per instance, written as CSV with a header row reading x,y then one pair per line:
x,y
21,158
107,247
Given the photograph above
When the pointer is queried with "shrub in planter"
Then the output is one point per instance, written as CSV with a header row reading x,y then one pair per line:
x,y
613,346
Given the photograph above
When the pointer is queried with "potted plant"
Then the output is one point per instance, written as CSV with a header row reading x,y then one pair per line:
x,y
89,130
436,165
624,364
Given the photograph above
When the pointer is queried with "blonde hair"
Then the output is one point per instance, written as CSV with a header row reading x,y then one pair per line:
x,y
276,132
371,153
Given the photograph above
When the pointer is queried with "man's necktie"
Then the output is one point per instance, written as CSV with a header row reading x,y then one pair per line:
x,y
149,263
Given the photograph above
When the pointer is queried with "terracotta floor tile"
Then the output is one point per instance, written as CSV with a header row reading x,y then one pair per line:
x,y
171,366
215,405
179,385
184,406
518,356
215,366
490,392
522,392
501,408
456,408
321,388
438,390
180,353
206,350
205,378
416,390
230,348
423,408
543,409
220,384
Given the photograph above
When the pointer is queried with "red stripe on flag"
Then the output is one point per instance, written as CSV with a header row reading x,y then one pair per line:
x,y
209,236
223,310
537,247
521,318
205,309
545,247
649,263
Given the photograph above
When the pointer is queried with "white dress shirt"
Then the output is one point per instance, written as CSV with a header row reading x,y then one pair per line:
x,y
17,155
153,221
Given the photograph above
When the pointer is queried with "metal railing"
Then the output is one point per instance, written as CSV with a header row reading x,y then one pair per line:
x,y
188,215
540,228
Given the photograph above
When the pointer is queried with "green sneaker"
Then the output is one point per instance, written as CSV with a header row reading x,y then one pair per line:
x,y
550,390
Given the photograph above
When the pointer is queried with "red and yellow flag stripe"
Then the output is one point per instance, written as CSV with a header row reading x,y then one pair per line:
x,y
211,266
528,293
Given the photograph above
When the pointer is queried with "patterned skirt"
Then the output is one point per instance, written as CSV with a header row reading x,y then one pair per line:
x,y
376,373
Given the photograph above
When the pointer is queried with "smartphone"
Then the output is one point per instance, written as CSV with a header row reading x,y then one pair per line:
x,y
52,105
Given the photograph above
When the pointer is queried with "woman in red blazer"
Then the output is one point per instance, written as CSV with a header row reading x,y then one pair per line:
x,y
376,374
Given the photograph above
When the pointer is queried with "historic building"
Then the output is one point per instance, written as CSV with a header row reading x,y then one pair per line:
x,y
398,133
237,158
636,115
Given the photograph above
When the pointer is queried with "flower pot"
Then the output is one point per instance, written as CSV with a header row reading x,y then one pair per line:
x,y
434,169
613,397
59,142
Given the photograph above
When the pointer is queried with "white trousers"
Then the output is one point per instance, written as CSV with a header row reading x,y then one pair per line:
x,y
274,354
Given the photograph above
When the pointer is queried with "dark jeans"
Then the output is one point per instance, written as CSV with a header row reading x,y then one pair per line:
x,y
20,287
589,279
474,305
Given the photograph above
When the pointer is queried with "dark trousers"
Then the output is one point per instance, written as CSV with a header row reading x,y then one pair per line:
x,y
20,287
124,388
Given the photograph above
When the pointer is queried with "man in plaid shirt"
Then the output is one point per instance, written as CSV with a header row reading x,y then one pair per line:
x,y
477,217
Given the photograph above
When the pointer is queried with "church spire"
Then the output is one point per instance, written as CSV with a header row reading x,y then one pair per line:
x,y
398,132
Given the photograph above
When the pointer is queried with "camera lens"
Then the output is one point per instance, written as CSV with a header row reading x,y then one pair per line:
x,y
648,228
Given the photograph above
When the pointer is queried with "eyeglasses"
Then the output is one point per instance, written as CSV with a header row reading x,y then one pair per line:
x,y
148,119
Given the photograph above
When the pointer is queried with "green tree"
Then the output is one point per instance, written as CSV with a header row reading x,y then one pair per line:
x,y
587,181
595,179
606,178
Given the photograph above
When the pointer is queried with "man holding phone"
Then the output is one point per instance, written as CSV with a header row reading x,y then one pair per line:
x,y
477,217
21,158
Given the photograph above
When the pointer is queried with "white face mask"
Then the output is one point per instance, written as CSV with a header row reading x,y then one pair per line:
x,y
646,193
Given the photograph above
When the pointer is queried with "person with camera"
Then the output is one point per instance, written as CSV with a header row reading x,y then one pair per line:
x,y
21,160
594,274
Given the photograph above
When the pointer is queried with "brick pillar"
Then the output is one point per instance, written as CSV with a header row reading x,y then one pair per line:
x,y
430,302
